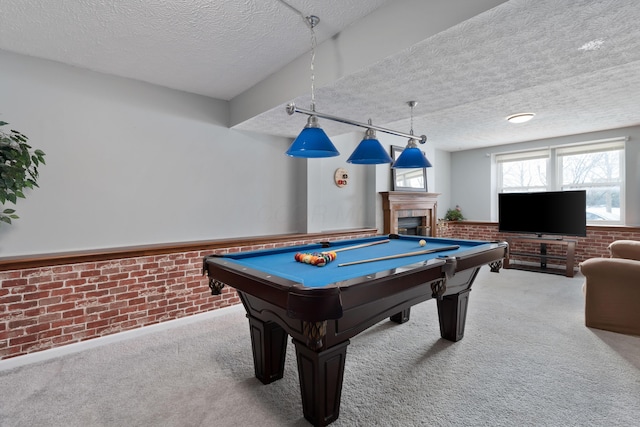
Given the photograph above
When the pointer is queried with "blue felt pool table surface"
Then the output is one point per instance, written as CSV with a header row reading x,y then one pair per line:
x,y
280,261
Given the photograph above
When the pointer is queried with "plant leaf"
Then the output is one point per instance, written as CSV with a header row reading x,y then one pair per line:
x,y
18,169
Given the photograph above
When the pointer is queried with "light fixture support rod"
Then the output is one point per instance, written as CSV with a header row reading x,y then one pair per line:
x,y
292,108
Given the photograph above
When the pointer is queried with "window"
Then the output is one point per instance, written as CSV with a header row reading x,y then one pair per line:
x,y
522,172
596,167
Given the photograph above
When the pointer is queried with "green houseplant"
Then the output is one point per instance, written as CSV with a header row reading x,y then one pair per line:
x,y
18,169
454,214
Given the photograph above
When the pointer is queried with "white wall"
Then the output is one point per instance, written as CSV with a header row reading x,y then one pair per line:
x,y
133,164
129,163
331,207
472,174
357,204
441,182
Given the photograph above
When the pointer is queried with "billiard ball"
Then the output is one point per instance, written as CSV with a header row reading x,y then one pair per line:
x,y
422,242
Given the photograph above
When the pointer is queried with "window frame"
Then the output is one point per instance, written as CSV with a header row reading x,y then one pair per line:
x,y
554,175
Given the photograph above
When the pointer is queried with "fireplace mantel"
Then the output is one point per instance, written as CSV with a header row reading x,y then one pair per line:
x,y
409,204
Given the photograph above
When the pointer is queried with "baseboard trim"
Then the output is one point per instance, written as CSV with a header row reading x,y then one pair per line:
x,y
40,356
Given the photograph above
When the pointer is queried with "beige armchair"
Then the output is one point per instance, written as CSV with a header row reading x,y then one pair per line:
x,y
612,289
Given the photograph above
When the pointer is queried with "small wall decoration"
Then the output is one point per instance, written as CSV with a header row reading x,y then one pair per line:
x,y
341,177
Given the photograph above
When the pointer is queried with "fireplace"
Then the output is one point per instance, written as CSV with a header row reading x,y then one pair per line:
x,y
408,212
414,226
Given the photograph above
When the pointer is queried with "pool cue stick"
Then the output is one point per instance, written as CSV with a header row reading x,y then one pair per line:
x,y
406,254
324,253
364,245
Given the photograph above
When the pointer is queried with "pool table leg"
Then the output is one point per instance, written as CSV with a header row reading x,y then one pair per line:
x,y
452,313
269,345
401,317
320,374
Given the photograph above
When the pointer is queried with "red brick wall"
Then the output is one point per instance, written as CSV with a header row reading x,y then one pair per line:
x,y
593,246
46,307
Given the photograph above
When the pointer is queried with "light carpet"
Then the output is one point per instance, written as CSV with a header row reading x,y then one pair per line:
x,y
526,359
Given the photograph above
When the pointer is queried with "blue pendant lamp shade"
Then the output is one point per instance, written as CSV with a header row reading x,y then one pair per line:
x,y
312,142
369,151
411,157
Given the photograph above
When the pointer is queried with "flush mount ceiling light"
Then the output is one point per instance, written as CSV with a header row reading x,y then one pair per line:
x,y
592,45
520,117
412,157
313,142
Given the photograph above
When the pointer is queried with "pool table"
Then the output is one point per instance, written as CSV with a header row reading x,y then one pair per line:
x,y
321,308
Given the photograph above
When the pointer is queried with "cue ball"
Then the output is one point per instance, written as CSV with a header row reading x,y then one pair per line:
x,y
422,242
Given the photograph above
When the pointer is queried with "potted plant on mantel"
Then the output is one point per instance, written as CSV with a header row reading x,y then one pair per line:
x,y
18,169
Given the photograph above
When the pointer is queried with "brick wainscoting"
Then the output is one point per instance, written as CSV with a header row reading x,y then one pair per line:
x,y
593,246
53,301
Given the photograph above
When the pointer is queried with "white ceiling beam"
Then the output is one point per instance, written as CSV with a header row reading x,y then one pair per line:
x,y
388,30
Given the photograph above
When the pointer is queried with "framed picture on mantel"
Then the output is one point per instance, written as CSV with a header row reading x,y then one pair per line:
x,y
407,179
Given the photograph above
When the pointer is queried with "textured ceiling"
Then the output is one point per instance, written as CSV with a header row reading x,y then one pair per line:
x,y
215,48
575,63
522,56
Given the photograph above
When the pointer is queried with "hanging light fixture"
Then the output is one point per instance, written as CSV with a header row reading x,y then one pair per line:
x,y
369,151
312,142
293,108
412,157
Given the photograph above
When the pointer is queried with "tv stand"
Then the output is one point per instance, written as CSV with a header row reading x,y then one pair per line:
x,y
541,236
525,249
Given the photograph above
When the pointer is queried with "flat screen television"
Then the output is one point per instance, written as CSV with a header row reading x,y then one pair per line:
x,y
551,212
